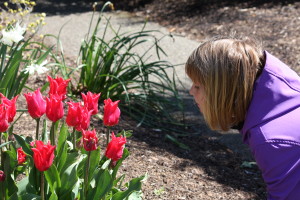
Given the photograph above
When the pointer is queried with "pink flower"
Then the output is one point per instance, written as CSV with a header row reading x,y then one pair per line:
x,y
90,140
43,155
91,102
10,106
58,87
54,108
35,103
3,118
21,156
111,113
84,120
115,148
2,176
78,116
74,114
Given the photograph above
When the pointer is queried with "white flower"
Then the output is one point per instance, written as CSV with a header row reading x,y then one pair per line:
x,y
14,34
40,69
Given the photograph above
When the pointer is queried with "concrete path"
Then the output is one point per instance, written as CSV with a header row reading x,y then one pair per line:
x,y
178,48
75,27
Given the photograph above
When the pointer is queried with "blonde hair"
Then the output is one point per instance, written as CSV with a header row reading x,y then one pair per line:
x,y
227,69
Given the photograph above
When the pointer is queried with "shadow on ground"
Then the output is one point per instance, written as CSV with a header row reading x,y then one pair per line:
x,y
219,155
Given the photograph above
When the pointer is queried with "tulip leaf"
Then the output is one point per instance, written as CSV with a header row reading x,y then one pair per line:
x,y
62,156
72,157
69,178
52,177
4,144
23,144
135,185
62,136
103,185
53,196
29,197
94,162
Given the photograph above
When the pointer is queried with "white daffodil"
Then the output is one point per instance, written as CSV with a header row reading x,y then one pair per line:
x,y
14,34
40,69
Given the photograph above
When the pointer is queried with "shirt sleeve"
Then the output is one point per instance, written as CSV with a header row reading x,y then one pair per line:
x,y
279,162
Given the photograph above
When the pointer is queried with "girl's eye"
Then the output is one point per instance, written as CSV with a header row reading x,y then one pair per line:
x,y
196,86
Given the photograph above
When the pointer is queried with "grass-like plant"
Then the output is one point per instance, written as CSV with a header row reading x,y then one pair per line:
x,y
113,67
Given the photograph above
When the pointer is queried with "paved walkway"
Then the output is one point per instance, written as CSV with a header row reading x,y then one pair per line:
x,y
75,26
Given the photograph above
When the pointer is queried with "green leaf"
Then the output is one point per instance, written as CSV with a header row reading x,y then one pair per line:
x,y
94,162
135,185
23,144
29,197
62,156
69,179
62,136
103,185
53,196
52,177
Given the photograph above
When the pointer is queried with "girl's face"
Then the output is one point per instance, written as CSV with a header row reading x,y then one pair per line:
x,y
197,91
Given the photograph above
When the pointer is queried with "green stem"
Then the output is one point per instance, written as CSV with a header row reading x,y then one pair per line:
x,y
86,178
107,135
74,138
42,186
3,191
52,133
37,128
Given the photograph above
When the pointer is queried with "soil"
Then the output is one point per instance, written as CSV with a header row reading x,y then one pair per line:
x,y
208,170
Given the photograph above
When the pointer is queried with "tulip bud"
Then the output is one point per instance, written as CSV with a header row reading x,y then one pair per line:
x,y
111,113
2,176
21,156
10,106
54,108
115,148
91,102
74,114
58,87
43,155
36,104
3,118
90,140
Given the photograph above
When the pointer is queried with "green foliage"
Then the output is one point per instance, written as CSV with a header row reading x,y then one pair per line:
x,y
110,64
65,177
12,61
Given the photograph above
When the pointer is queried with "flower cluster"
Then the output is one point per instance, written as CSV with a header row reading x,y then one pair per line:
x,y
78,117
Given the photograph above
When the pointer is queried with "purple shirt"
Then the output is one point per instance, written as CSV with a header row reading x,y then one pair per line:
x,y
272,129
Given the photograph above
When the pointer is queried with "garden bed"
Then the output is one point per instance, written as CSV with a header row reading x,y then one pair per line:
x,y
208,170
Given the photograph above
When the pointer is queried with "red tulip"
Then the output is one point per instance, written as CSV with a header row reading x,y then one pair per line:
x,y
2,176
43,155
90,140
3,118
74,114
111,113
54,108
58,86
115,148
10,106
36,104
21,156
84,119
91,102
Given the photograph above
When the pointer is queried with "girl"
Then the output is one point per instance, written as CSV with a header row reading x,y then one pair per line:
x,y
238,85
